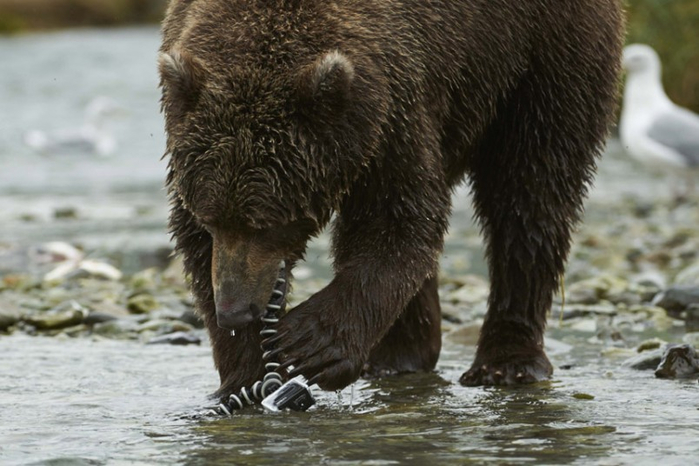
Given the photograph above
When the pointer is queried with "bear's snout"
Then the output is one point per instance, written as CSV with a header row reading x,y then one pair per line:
x,y
233,316
243,276
232,313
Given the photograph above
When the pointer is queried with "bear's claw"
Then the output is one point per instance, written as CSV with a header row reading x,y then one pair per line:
x,y
514,372
307,340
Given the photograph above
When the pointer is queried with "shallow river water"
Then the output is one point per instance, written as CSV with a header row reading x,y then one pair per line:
x,y
66,401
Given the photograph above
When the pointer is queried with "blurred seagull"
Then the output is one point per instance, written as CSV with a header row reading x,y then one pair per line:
x,y
91,137
654,130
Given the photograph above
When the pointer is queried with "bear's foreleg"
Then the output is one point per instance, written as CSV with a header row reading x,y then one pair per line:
x,y
386,247
415,339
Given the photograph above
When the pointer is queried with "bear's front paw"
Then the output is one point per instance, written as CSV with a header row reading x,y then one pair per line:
x,y
514,370
318,346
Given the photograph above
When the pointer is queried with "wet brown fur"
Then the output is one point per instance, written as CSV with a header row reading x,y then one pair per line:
x,y
280,113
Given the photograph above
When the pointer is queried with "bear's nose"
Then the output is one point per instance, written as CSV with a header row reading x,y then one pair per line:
x,y
235,314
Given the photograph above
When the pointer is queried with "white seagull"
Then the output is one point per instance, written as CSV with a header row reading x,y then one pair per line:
x,y
653,129
92,137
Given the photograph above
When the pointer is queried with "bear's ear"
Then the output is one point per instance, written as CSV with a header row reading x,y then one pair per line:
x,y
325,85
181,77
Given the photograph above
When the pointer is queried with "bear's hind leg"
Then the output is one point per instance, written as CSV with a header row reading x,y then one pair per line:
x,y
414,341
529,177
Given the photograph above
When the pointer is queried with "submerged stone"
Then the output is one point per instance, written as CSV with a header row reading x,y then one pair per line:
x,y
678,361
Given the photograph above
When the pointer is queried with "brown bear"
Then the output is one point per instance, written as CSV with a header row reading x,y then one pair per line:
x,y
281,114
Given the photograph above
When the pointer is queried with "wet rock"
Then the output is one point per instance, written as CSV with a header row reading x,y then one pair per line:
x,y
571,311
98,318
192,318
651,317
616,352
177,338
162,326
66,315
74,331
688,276
455,314
652,344
142,303
595,289
473,289
7,320
647,360
692,318
121,329
653,280
677,298
586,325
466,334
65,213
145,279
555,347
10,314
678,361
691,338
174,273
19,282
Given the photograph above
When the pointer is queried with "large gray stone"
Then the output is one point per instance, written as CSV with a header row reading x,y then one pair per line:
x,y
677,298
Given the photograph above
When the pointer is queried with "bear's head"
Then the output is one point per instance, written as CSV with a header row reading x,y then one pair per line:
x,y
261,155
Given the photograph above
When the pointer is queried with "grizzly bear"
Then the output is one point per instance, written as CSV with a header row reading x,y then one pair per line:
x,y
283,114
